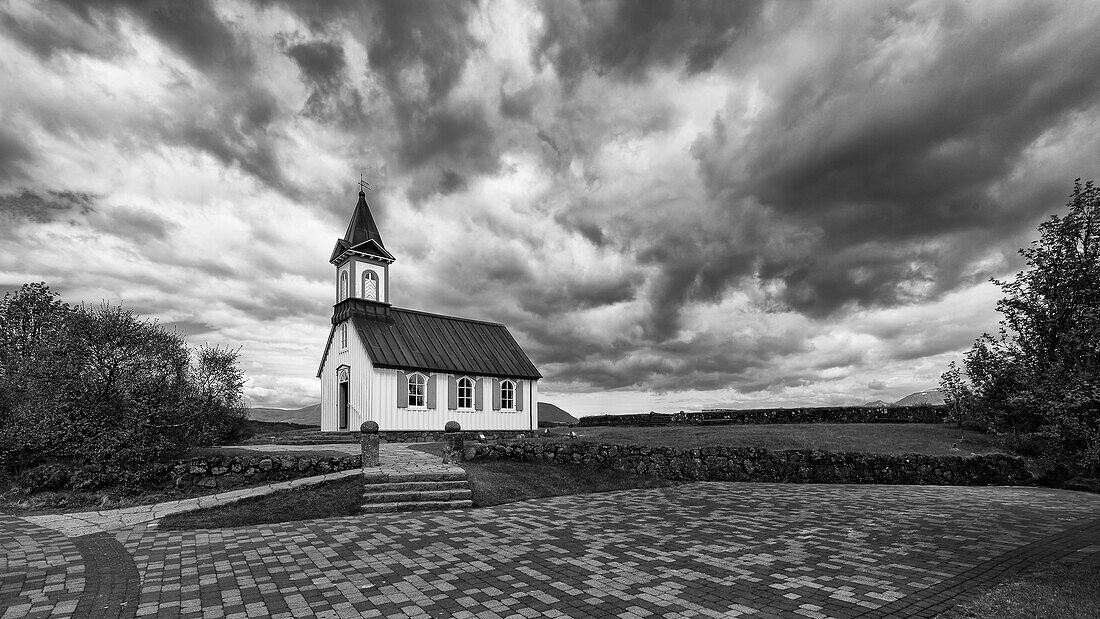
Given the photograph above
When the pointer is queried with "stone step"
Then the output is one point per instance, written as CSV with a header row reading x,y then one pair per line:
x,y
380,477
415,506
425,496
417,486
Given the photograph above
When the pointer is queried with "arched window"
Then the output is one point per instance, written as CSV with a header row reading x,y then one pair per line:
x,y
418,389
344,335
466,392
343,285
507,395
370,285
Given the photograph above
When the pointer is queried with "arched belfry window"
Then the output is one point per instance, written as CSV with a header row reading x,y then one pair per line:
x,y
343,285
370,285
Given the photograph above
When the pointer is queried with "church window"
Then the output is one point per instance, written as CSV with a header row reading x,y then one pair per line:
x,y
370,285
466,393
344,335
417,391
343,285
507,395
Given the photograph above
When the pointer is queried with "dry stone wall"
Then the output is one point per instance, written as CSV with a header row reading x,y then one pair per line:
x,y
821,414
234,471
762,465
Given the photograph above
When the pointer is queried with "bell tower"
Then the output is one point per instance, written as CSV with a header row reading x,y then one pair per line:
x,y
362,267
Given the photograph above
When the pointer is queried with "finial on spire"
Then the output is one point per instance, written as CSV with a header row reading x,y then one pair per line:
x,y
363,184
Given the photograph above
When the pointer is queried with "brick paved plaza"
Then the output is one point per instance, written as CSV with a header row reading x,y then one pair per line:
x,y
698,550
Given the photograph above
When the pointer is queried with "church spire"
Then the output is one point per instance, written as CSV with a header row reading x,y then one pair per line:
x,y
362,227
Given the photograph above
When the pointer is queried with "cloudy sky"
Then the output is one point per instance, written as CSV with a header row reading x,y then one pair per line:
x,y
671,205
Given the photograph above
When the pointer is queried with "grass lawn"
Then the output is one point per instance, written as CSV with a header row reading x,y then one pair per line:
x,y
493,482
15,501
342,497
1064,591
881,438
205,452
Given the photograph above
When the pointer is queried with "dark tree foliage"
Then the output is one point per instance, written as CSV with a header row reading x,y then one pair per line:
x,y
100,386
1037,382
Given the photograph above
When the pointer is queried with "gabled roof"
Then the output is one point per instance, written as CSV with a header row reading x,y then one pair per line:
x,y
436,343
362,235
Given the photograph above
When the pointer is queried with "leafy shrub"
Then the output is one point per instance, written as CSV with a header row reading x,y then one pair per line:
x,y
104,388
47,477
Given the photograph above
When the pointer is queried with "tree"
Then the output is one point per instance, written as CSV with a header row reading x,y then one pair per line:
x,y
101,386
1037,383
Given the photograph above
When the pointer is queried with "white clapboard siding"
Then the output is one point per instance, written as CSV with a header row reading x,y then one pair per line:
x,y
384,409
359,389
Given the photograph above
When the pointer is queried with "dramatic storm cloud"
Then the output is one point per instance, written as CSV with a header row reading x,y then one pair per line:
x,y
672,205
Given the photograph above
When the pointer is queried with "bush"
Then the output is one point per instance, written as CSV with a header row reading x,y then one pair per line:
x,y
47,477
106,389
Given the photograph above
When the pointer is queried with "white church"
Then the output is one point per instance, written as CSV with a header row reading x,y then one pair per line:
x,y
411,370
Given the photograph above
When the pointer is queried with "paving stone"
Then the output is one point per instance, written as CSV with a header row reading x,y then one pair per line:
x,y
698,550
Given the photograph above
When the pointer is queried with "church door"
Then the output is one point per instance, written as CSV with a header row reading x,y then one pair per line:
x,y
343,404
343,377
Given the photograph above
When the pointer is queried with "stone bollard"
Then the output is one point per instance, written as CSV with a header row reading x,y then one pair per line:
x,y
369,440
452,443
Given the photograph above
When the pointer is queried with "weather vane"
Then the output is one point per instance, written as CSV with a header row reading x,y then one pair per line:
x,y
362,183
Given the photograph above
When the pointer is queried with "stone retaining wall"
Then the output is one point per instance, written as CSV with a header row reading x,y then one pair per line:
x,y
749,464
435,436
233,471
823,414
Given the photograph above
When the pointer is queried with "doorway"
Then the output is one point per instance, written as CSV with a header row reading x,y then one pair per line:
x,y
342,406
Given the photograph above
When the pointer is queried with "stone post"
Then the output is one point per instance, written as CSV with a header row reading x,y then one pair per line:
x,y
452,443
369,440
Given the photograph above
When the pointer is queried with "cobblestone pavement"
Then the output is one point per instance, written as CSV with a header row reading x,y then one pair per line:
x,y
706,549
41,571
698,550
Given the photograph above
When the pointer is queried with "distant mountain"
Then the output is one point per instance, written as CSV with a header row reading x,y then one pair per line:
x,y
309,415
931,396
548,413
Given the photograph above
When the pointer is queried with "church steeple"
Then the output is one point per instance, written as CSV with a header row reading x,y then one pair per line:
x,y
361,260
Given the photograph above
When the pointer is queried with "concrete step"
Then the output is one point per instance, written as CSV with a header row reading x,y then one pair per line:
x,y
417,486
379,477
424,496
415,506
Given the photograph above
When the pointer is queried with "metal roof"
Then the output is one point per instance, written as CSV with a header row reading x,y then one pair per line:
x,y
432,342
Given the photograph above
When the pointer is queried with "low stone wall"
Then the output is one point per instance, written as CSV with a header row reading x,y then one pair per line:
x,y
435,436
234,471
749,464
823,414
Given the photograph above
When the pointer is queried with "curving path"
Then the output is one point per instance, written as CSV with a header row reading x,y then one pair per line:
x,y
706,549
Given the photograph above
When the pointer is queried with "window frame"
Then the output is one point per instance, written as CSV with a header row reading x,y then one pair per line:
x,y
370,275
343,291
344,335
420,381
511,386
465,382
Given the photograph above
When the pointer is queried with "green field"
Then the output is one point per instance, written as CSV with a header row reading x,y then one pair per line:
x,y
880,438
